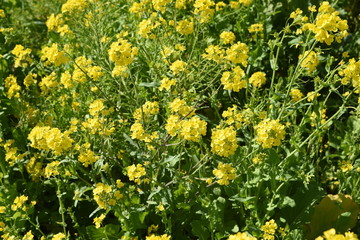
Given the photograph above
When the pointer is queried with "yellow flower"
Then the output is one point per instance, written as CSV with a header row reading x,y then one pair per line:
x,y
52,169
185,27
96,107
214,53
328,26
331,235
58,236
47,138
28,236
346,166
178,66
122,54
205,10
192,129
166,83
22,56
241,236
12,86
269,229
270,133
245,2
224,173
351,74
19,203
255,28
105,196
52,55
227,37
135,172
172,125
238,53
310,61
220,6
2,13
146,110
87,157
99,220
73,6
233,80
180,106
296,94
224,142
257,79
160,5
162,237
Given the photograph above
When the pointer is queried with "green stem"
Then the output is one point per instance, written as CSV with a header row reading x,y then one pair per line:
x,y
61,206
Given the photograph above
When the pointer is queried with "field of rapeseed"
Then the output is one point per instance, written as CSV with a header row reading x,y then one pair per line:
x,y
179,119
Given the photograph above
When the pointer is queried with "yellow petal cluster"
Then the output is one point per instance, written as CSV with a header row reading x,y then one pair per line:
x,y
47,138
224,142
224,173
270,133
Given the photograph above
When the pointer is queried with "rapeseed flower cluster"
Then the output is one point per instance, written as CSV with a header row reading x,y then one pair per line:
x,y
19,203
185,124
270,133
167,83
192,129
34,168
84,69
185,27
98,220
136,172
12,86
233,80
147,26
53,55
214,53
11,152
47,138
269,229
178,67
238,53
296,95
257,79
147,110
223,141
161,237
205,10
22,56
310,60
71,6
328,26
52,169
56,23
122,54
141,116
58,236
105,195
256,28
351,74
224,173
332,235
241,236
160,5
233,116
98,125
227,37
87,157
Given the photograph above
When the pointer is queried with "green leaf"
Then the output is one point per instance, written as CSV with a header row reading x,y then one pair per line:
x,y
172,160
199,230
